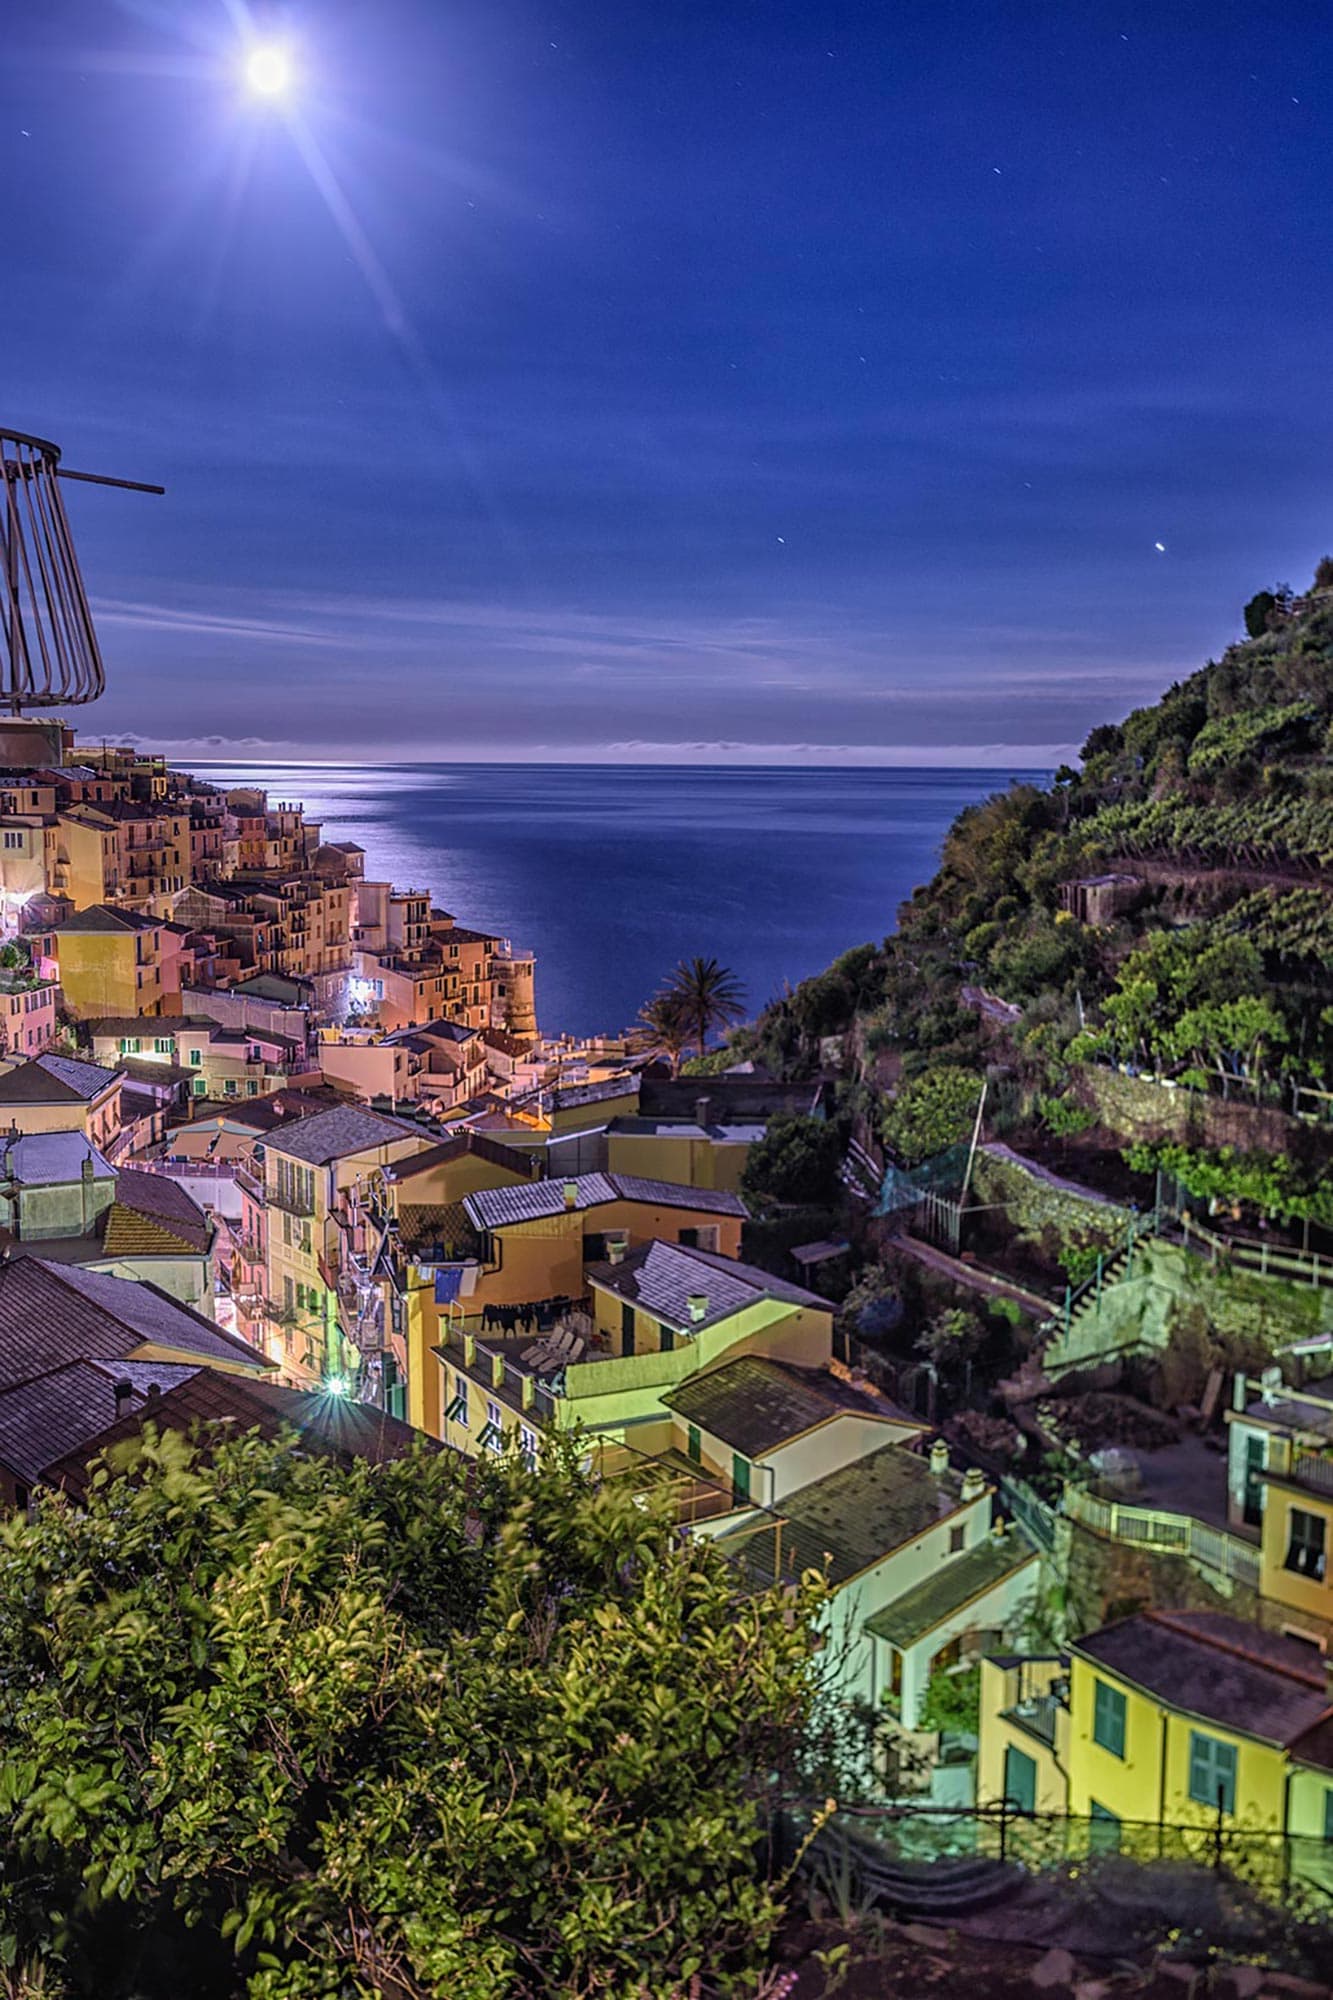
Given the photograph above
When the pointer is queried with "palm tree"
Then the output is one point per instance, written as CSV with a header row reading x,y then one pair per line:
x,y
665,1029
707,995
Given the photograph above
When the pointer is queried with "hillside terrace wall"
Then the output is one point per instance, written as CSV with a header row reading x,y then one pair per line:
x,y
1040,1206
1135,1107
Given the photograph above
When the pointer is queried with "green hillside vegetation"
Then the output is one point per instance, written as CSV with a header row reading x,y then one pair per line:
x,y
1209,970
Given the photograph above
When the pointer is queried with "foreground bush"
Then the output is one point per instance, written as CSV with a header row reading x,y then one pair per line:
x,y
276,1726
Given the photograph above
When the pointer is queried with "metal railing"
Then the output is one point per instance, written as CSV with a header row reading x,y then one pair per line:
x,y
1310,1470
1180,1534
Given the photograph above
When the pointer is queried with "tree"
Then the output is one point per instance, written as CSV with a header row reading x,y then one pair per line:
x,y
797,1160
931,1112
1323,574
1259,612
667,1031
281,1726
708,995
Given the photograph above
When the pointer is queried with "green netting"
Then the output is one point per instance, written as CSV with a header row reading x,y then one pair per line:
x,y
942,1174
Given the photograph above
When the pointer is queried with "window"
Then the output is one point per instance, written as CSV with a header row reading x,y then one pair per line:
x,y
740,1479
196,1058
288,1295
13,839
626,1328
1305,1544
130,1045
666,1338
1108,1718
200,1087
694,1445
162,1045
1212,1772
457,1410
1020,1780
527,1444
493,1431
956,1538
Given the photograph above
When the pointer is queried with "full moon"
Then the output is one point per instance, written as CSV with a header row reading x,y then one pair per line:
x,y
268,71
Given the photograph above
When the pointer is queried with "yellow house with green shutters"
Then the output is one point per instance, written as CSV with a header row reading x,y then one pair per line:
x,y
662,1312
1169,1718
1280,1481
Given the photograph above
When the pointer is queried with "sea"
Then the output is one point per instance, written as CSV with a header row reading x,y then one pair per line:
x,y
613,873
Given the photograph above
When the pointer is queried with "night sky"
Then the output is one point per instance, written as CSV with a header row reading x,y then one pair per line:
x,y
603,379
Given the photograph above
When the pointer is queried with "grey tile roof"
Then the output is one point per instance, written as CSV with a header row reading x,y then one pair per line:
x,y
493,1208
754,1404
958,1582
1221,1669
661,1278
101,918
850,1520
40,1081
45,1159
327,1424
87,1078
53,1313
333,1135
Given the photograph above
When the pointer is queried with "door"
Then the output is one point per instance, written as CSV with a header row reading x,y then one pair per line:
x,y
1254,1485
627,1329
1020,1780
740,1479
694,1445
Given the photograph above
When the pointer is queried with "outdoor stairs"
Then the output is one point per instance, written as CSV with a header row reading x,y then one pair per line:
x,y
951,1887
859,1174
1113,1270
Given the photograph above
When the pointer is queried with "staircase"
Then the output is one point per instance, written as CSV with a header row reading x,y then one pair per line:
x,y
859,1173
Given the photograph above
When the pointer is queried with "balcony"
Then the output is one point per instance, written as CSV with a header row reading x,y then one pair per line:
x,y
1315,1472
287,1199
1038,1716
251,1182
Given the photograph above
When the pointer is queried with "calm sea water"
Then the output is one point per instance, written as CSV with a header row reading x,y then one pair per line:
x,y
613,873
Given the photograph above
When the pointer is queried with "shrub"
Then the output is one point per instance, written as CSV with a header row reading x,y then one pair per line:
x,y
932,1111
284,1726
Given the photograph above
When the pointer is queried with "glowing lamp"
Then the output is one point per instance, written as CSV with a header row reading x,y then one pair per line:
x,y
268,71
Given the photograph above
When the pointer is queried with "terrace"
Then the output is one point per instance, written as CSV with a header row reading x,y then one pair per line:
x,y
524,1371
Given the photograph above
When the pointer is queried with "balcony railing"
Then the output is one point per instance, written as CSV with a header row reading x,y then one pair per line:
x,y
251,1182
1312,1471
1213,1548
287,1198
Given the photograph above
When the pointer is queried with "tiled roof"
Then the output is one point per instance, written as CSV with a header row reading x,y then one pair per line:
x,y
754,1404
957,1583
661,1279
43,1419
576,1094
850,1520
52,1313
1221,1669
329,1424
46,1159
154,1217
493,1208
87,1079
463,1144
100,918
333,1135
143,1027
730,1099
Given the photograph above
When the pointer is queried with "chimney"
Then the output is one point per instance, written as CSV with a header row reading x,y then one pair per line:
x,y
939,1459
571,1194
698,1305
616,1247
974,1483
702,1106
124,1395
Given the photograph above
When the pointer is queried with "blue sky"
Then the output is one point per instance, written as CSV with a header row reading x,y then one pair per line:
x,y
751,380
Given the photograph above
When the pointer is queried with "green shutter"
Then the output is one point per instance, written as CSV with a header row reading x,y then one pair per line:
x,y
1020,1780
740,1478
1108,1718
1212,1772
627,1329
694,1448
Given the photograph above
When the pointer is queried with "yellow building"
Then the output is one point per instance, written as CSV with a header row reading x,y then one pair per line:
x,y
1169,1718
1280,1482
296,1229
114,962
51,1093
702,1154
